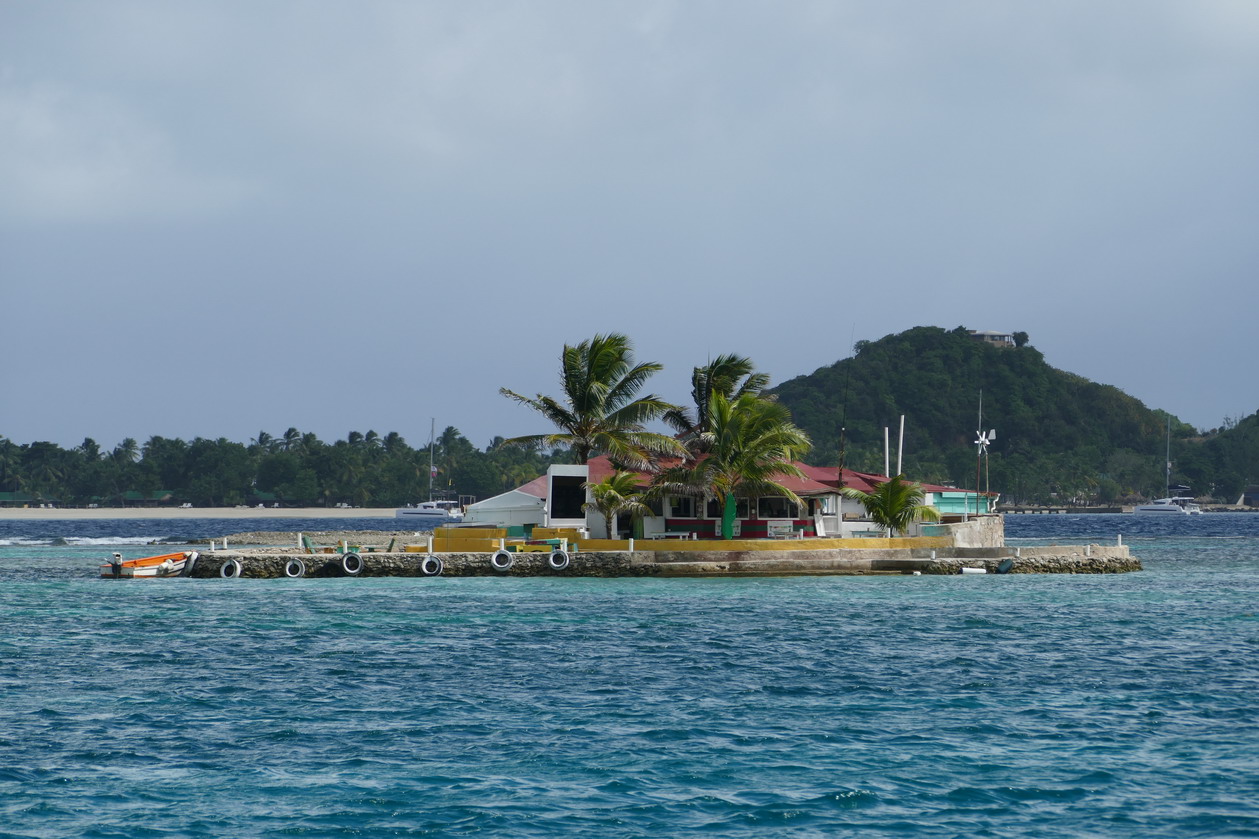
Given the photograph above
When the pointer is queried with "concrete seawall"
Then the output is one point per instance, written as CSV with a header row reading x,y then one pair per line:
x,y
1072,559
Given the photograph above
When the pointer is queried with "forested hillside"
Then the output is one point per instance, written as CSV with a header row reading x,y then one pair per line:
x,y
1060,437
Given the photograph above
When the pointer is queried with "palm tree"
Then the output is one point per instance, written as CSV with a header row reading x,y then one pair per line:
x,y
393,442
10,463
264,443
128,451
750,446
601,410
617,494
731,376
894,504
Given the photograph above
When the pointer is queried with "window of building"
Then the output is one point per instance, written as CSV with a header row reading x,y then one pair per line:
x,y
715,508
775,507
568,493
682,507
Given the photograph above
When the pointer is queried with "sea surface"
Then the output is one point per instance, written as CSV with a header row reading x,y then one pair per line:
x,y
968,706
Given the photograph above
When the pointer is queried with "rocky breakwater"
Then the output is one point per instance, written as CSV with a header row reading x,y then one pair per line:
x,y
270,564
281,562
1051,559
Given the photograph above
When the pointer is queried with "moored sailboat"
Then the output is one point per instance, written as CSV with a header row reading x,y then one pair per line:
x,y
1173,504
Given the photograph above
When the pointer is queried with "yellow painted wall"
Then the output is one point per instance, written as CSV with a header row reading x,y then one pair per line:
x,y
604,544
572,534
687,545
465,544
474,532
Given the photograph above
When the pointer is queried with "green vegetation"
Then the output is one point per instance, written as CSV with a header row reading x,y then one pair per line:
x,y
601,411
894,504
1061,438
748,449
617,494
364,470
728,375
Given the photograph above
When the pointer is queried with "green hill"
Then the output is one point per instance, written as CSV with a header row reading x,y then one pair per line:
x,y
1060,437
1224,462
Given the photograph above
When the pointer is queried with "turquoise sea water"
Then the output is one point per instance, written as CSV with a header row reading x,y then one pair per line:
x,y
1001,706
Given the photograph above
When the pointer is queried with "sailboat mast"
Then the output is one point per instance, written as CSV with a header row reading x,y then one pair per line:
x,y
1168,461
432,439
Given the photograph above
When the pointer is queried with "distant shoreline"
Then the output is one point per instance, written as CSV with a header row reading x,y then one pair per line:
x,y
102,513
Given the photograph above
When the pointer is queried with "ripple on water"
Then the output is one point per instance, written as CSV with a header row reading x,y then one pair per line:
x,y
798,707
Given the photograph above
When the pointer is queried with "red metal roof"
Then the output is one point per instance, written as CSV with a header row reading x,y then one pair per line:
x,y
818,480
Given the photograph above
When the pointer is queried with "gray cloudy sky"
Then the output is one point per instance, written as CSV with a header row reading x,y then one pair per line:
x,y
219,217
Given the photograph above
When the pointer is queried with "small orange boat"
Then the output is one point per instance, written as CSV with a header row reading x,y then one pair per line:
x,y
166,565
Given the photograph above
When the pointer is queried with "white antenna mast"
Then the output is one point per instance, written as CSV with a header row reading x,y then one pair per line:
x,y
900,447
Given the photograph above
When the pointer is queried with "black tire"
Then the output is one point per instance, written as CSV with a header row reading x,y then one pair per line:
x,y
352,564
501,560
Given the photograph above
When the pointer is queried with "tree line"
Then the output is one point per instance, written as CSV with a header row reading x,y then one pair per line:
x,y
293,469
1063,439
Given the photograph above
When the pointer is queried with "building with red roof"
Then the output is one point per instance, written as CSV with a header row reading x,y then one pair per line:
x,y
556,499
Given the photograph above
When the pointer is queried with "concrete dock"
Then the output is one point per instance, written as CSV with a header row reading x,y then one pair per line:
x,y
799,560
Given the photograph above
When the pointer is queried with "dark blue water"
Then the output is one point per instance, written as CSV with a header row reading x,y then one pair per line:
x,y
1000,706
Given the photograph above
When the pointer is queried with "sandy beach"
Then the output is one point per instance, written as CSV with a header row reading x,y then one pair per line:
x,y
28,513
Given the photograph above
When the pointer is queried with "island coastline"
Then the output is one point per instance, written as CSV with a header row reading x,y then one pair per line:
x,y
104,513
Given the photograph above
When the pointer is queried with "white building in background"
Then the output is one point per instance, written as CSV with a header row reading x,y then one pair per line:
x,y
557,498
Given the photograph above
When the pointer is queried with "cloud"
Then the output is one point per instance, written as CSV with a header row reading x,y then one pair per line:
x,y
71,155
772,179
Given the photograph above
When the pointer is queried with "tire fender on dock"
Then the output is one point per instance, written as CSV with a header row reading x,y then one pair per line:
x,y
295,568
231,569
431,566
558,560
352,564
501,560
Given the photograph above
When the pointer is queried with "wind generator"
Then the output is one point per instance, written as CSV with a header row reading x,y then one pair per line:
x,y
982,441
